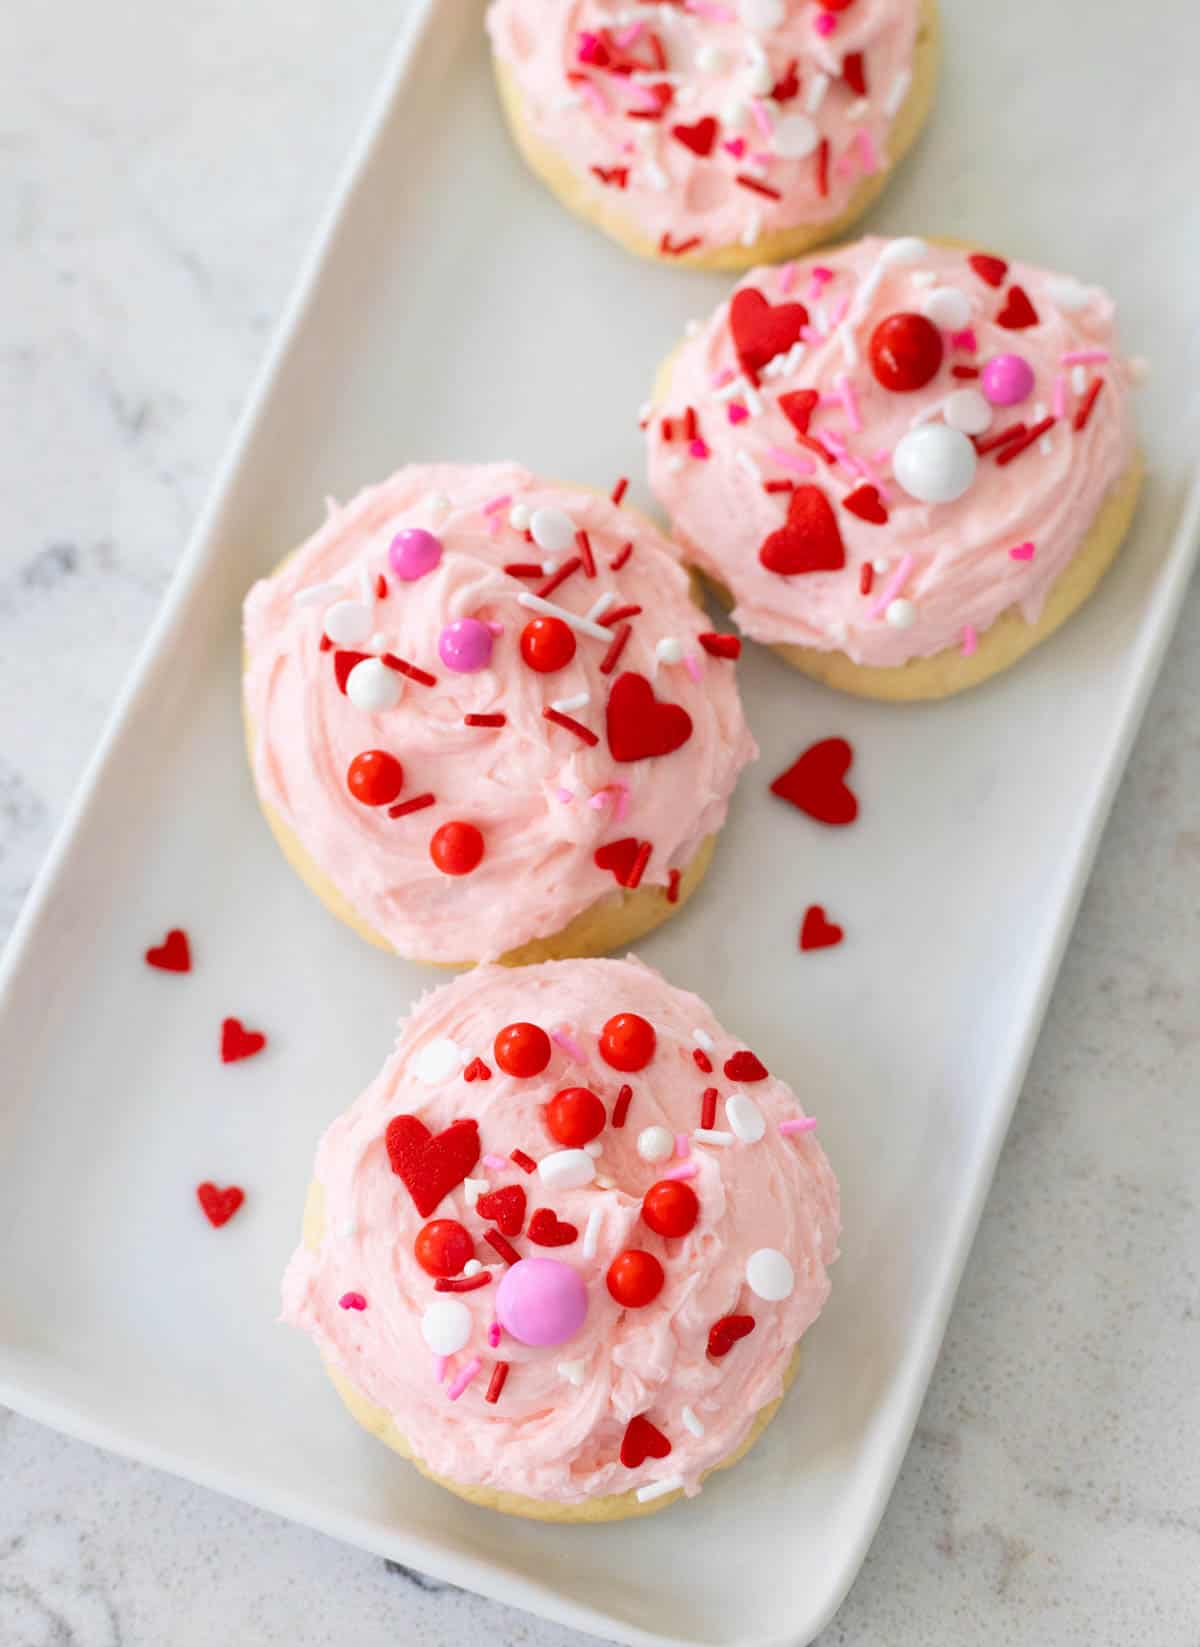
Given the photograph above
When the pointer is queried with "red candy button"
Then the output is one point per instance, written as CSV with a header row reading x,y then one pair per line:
x,y
547,644
627,1042
522,1050
456,848
574,1117
375,777
443,1247
670,1208
635,1278
906,351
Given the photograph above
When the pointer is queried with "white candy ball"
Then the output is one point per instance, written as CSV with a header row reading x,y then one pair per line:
x,y
908,249
744,1117
795,136
372,686
761,14
553,530
901,614
769,1275
519,516
968,410
655,1144
933,463
348,622
669,649
948,308
566,1169
472,1266
438,1061
446,1326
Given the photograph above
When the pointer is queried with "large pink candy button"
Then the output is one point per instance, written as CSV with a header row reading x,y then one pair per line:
x,y
540,1301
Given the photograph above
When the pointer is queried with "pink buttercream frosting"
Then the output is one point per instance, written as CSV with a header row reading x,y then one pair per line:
x,y
763,70
543,799
954,558
556,1431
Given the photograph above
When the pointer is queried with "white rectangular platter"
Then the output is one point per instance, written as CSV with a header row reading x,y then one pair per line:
x,y
453,310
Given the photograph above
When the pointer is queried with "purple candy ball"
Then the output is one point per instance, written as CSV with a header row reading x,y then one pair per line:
x,y
1007,380
414,552
465,645
540,1301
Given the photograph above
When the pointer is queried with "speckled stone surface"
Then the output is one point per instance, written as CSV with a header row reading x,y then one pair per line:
x,y
160,174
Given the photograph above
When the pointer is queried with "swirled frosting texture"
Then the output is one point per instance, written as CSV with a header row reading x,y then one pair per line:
x,y
548,1437
543,799
590,73
962,573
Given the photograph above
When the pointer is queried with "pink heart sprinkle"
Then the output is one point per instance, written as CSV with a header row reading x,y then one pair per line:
x,y
737,414
698,449
825,22
965,339
1023,551
736,146
352,1301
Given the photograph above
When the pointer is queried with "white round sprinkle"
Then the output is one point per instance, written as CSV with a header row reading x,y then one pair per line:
x,y
761,14
348,622
795,136
372,686
710,59
908,249
881,564
968,410
745,1117
769,1275
519,516
553,530
901,614
472,1266
655,1144
566,1169
594,1148
446,1326
933,463
437,1061
669,649
440,503
948,308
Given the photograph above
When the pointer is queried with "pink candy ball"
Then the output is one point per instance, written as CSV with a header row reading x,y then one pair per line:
x,y
414,552
1007,380
540,1301
465,645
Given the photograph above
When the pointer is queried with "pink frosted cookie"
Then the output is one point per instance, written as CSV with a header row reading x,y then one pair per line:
x,y
720,134
561,1251
905,463
487,719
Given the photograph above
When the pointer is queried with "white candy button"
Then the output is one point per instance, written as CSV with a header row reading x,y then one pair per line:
x,y
437,1061
745,1118
908,249
348,622
446,1326
934,463
795,136
553,530
948,308
372,686
769,1275
901,614
519,516
567,1169
655,1144
968,410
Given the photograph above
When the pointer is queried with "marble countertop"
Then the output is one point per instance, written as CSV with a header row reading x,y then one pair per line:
x,y
160,176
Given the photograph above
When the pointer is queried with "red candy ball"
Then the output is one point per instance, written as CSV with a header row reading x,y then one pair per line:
x,y
443,1247
547,644
627,1042
837,5
456,848
635,1278
906,351
670,1208
375,777
522,1050
574,1117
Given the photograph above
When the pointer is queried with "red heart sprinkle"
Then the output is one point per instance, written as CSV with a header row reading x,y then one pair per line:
x,y
724,1334
788,85
798,407
642,1440
477,1070
809,541
699,137
854,74
343,663
816,783
1018,312
219,1204
762,330
545,1230
991,269
639,725
744,1066
503,1207
237,1042
173,954
619,856
431,1167
866,503
816,932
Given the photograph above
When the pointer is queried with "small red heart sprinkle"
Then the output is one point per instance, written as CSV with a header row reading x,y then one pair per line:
x,y
429,1166
639,725
787,86
237,1042
815,783
219,1204
866,503
173,954
991,269
744,1066
545,1230
724,1334
817,932
762,330
642,1440
618,856
854,74
503,1207
809,541
699,137
343,663
1018,312
798,407
477,1070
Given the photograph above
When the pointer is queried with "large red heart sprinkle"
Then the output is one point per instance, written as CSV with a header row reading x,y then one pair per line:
x,y
237,1042
343,663
991,269
798,407
1018,312
431,1167
643,1440
809,541
866,503
619,856
816,932
724,1334
744,1066
503,1207
548,1231
639,725
762,330
173,954
219,1204
816,783
699,138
